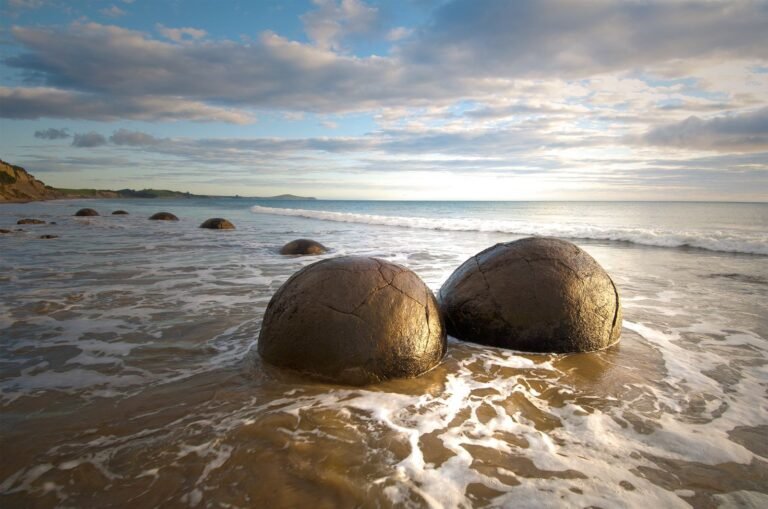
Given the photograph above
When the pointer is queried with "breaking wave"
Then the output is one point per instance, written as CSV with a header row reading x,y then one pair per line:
x,y
723,241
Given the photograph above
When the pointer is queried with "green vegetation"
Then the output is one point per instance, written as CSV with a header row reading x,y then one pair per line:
x,y
81,193
155,193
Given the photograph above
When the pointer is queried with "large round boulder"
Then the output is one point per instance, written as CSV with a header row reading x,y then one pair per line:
x,y
164,216
303,247
353,320
86,213
536,294
217,223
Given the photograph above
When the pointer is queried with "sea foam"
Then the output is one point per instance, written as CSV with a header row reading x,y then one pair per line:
x,y
730,242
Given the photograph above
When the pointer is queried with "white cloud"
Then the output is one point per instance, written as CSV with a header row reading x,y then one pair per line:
x,y
26,4
399,33
181,34
331,21
113,12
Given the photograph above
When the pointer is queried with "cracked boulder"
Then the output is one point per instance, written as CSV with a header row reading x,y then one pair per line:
x,y
303,247
353,320
536,294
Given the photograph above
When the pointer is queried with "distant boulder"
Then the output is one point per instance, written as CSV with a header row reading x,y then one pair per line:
x,y
217,223
86,212
30,221
536,294
164,216
49,236
303,247
353,320
119,213
3,230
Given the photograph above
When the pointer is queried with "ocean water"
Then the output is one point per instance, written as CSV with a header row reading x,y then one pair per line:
x,y
129,375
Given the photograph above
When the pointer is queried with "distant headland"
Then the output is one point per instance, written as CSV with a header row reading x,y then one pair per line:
x,y
17,185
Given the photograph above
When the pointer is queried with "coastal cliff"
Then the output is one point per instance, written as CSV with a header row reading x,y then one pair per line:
x,y
16,185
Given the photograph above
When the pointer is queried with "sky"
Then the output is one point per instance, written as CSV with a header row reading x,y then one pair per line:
x,y
394,100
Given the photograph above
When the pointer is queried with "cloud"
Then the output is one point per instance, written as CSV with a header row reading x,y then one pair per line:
x,y
113,12
332,21
88,140
26,4
133,138
575,39
38,102
462,53
744,132
180,34
399,33
52,134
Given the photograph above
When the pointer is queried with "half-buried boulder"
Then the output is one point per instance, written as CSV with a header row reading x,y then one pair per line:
x,y
217,223
119,213
86,212
303,247
536,294
3,230
164,216
353,320
30,221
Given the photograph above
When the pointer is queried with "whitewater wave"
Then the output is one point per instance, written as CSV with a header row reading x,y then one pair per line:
x,y
728,242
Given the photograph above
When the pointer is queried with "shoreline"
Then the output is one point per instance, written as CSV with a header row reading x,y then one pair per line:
x,y
214,197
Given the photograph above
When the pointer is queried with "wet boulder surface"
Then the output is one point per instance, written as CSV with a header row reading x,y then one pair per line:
x,y
217,223
303,247
119,213
86,213
537,294
30,221
353,320
163,216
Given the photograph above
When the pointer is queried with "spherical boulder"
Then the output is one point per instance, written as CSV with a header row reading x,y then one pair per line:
x,y
217,223
536,294
119,213
303,247
86,212
30,221
164,216
353,320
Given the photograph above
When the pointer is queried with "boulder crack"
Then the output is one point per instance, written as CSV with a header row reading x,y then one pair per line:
x,y
496,304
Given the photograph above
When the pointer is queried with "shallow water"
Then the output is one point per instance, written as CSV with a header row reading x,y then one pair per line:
x,y
128,372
